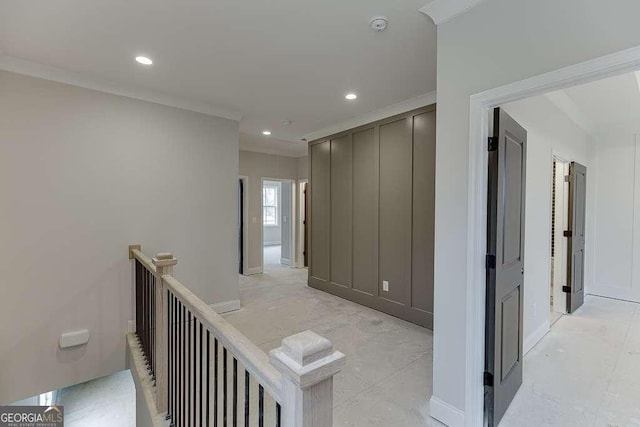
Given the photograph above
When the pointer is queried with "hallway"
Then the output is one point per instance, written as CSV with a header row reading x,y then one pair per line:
x,y
387,380
585,371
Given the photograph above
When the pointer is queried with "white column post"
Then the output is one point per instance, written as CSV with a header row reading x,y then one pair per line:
x,y
308,363
164,263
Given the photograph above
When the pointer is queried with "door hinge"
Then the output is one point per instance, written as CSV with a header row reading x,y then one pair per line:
x,y
487,379
567,178
566,289
490,261
493,143
567,233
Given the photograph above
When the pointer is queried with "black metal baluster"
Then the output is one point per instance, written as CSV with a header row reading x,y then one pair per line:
x,y
188,401
278,414
208,375
184,365
201,375
215,382
224,386
138,300
260,406
145,310
175,360
152,348
194,380
169,359
235,392
246,398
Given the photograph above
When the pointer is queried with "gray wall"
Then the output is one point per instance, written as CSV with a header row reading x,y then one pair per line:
x,y
372,215
84,174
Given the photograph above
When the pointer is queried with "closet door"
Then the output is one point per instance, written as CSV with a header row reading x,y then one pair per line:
x,y
365,212
424,178
340,244
320,216
395,211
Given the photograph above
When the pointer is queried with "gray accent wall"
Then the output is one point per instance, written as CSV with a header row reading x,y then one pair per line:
x,y
372,215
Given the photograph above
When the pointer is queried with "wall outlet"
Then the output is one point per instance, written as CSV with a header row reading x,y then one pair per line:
x,y
131,326
385,285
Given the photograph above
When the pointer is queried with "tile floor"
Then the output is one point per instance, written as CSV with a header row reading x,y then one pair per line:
x,y
585,371
387,380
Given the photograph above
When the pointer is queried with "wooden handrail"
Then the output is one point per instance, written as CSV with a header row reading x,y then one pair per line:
x,y
145,260
250,355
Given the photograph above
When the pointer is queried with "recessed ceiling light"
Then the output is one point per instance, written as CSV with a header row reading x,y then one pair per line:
x,y
144,60
266,132
351,96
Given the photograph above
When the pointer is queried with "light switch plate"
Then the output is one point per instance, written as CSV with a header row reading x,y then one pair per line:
x,y
385,285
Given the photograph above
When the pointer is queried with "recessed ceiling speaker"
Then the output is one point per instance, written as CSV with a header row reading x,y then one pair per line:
x,y
379,23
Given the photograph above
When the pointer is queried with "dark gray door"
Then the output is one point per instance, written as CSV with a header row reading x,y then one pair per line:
x,y
575,270
505,265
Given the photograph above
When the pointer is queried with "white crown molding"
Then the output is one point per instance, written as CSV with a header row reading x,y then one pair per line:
x,y
443,10
46,72
561,100
383,113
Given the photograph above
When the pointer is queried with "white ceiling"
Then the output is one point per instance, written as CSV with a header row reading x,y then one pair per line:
x,y
604,102
268,60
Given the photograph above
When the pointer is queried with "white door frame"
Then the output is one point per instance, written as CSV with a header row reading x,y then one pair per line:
x,y
561,244
479,108
301,207
245,224
292,217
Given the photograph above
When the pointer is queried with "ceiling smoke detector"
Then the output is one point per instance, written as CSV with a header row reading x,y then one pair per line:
x,y
379,23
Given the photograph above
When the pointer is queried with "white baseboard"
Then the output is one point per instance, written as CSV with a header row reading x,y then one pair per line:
x,y
535,337
445,413
252,271
273,243
615,292
226,306
285,261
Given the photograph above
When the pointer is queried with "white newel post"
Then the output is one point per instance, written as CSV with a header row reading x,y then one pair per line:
x,y
308,363
164,263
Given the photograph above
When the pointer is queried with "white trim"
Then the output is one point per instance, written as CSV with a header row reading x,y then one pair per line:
x,y
254,270
614,292
285,261
479,107
374,116
535,337
226,306
445,413
444,10
46,72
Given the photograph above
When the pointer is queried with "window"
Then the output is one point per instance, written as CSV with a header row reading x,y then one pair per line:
x,y
270,193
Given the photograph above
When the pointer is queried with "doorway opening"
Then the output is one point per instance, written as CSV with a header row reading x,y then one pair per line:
x,y
278,224
243,224
563,218
559,223
303,225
